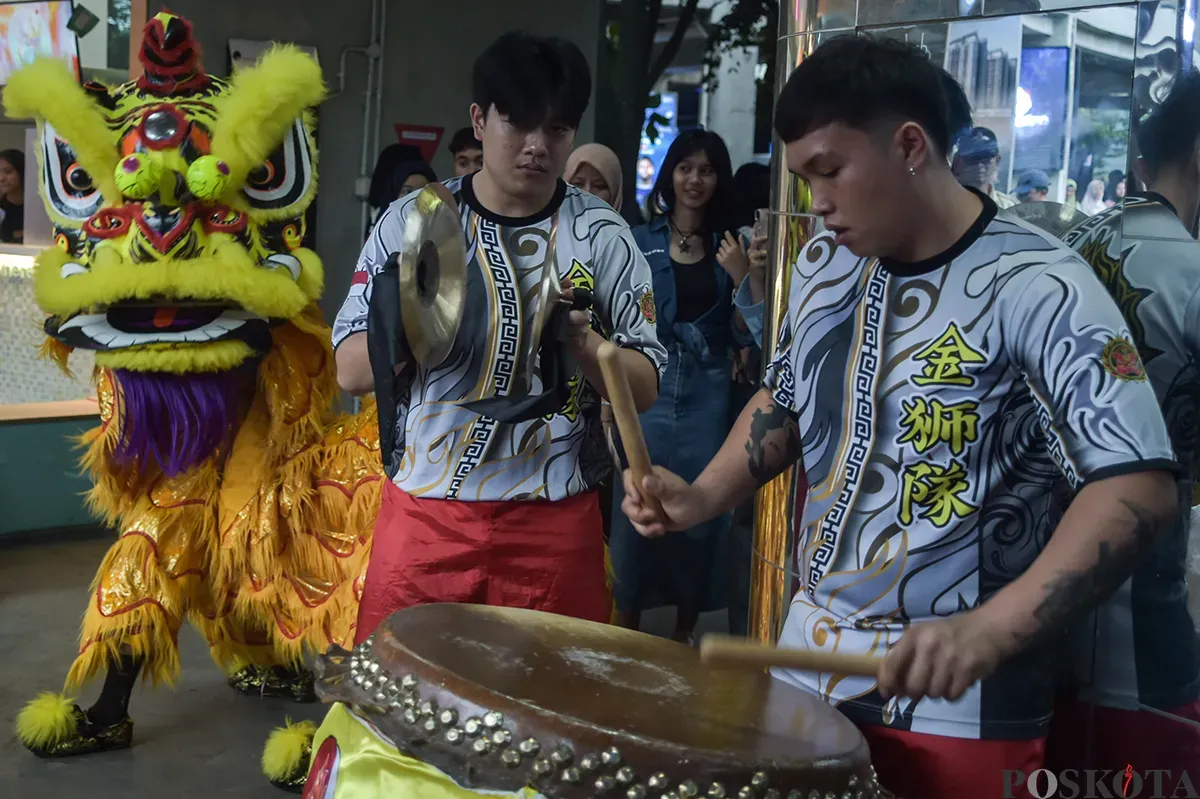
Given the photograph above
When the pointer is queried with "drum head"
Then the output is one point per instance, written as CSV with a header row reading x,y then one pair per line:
x,y
579,705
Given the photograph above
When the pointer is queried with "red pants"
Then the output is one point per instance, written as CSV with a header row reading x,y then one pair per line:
x,y
1085,736
540,555
916,765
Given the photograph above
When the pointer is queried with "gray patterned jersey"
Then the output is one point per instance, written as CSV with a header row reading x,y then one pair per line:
x,y
938,405
452,453
1139,649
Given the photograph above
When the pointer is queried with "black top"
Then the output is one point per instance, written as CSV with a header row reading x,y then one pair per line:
x,y
696,288
12,229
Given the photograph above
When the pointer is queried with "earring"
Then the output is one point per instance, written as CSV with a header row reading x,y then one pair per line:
x,y
912,170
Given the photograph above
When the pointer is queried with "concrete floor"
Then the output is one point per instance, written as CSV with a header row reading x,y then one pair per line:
x,y
199,741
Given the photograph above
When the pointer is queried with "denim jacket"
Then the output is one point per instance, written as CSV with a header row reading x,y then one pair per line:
x,y
708,338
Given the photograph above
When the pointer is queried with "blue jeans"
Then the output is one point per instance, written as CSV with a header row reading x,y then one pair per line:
x,y
684,429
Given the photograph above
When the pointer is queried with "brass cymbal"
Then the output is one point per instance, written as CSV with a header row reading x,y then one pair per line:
x,y
1054,218
433,275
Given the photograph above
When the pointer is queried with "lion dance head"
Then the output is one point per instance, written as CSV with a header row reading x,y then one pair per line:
x,y
178,202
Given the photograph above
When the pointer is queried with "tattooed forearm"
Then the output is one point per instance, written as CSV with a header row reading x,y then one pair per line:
x,y
774,443
1072,594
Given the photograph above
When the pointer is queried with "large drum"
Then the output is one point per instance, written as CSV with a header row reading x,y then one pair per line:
x,y
466,700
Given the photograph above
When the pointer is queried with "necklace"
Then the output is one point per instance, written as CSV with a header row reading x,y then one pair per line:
x,y
684,246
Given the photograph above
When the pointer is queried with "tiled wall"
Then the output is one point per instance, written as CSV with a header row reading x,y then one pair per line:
x,y
24,377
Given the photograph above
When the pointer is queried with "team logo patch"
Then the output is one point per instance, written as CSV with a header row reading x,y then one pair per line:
x,y
1121,360
648,311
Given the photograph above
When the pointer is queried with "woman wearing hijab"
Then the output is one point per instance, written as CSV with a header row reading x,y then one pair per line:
x,y
400,170
1071,200
596,169
1093,200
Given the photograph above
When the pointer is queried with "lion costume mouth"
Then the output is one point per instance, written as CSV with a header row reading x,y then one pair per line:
x,y
133,324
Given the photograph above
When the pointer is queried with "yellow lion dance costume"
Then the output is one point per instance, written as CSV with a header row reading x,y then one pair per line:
x,y
243,505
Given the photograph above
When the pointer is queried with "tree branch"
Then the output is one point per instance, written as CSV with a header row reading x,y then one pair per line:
x,y
687,13
653,12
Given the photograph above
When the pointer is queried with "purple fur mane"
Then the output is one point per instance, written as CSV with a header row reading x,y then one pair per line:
x,y
178,421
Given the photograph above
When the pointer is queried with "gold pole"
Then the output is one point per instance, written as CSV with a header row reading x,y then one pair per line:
x,y
775,508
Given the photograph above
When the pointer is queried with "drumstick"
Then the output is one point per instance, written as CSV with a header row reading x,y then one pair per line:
x,y
620,397
724,650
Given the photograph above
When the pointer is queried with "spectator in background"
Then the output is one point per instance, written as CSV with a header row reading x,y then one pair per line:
x,y
1114,192
12,196
693,292
467,152
1033,187
752,186
399,171
597,170
1093,201
977,164
1070,200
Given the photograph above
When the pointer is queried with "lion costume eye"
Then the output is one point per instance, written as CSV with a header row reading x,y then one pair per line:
x,y
262,177
78,179
286,178
69,188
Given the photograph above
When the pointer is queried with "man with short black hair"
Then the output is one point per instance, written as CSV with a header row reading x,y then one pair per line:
x,y
939,366
466,151
1136,660
480,510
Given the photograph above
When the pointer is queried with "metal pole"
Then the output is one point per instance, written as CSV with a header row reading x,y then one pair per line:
x,y
775,508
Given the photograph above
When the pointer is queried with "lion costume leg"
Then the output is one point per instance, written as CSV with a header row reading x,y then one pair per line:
x,y
246,652
142,592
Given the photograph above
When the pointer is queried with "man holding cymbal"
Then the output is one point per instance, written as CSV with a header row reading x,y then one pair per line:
x,y
483,506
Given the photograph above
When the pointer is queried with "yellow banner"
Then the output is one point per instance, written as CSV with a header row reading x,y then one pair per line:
x,y
369,766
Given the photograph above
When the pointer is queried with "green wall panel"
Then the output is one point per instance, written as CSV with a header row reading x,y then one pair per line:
x,y
41,486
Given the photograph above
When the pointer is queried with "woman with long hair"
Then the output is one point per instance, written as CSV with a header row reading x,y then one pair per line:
x,y
696,263
12,196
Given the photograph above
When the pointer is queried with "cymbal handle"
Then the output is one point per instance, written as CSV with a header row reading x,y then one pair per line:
x,y
581,299
724,650
625,413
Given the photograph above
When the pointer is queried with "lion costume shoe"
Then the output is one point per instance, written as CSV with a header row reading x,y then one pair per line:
x,y
242,504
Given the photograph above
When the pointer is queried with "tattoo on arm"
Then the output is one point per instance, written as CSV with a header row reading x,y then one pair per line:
x,y
1073,594
774,443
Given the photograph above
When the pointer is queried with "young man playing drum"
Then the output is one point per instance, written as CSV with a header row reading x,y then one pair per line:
x,y
1137,663
481,510
938,370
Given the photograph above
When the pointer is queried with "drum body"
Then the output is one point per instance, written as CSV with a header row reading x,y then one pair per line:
x,y
473,700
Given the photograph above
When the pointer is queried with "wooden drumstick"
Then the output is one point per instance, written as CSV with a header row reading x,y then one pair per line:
x,y
620,397
724,650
